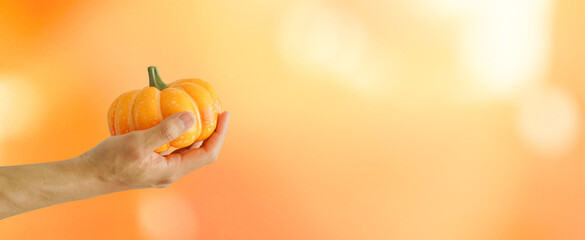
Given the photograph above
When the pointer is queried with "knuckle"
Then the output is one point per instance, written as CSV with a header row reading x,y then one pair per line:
x,y
167,132
212,157
166,180
134,152
164,183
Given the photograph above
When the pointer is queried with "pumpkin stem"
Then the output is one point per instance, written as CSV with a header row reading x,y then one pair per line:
x,y
154,78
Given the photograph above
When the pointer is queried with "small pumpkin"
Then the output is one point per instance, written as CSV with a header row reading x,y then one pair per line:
x,y
145,108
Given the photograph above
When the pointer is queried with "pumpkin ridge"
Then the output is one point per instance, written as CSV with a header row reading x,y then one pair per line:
x,y
159,110
157,101
195,106
116,111
204,84
206,104
122,119
131,111
195,84
112,115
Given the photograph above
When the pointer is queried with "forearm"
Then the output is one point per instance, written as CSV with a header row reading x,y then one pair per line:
x,y
27,187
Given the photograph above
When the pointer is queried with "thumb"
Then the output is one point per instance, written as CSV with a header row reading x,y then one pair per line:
x,y
168,130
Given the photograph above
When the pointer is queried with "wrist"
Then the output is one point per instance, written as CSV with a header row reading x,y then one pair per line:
x,y
98,176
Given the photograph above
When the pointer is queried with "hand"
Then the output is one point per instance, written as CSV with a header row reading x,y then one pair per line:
x,y
128,161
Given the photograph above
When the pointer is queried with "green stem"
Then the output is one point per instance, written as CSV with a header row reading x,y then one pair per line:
x,y
154,78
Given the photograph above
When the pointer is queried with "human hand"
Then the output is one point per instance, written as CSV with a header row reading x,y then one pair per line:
x,y
128,161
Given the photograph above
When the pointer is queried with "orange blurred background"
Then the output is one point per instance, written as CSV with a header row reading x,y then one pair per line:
x,y
401,119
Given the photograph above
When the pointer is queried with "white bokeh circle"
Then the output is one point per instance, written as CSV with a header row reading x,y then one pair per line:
x,y
167,215
549,121
319,36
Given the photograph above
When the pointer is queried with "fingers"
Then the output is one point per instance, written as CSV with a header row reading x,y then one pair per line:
x,y
167,130
210,148
182,150
196,145
215,141
166,152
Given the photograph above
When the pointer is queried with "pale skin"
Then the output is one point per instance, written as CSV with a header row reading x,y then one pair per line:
x,y
118,163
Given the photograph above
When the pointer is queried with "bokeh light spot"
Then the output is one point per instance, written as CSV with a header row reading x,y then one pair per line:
x,y
446,7
167,215
21,107
504,47
549,121
315,36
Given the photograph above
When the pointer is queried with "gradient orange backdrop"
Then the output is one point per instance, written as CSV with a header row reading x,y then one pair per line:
x,y
350,119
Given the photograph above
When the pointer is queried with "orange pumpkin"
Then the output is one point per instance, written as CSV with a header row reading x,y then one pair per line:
x,y
143,109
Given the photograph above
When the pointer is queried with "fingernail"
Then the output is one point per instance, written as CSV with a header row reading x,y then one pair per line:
x,y
186,120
